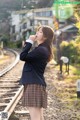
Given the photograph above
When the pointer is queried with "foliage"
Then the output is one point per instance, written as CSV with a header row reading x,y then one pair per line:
x,y
45,3
10,44
78,39
19,4
77,7
5,39
17,44
4,14
10,4
71,50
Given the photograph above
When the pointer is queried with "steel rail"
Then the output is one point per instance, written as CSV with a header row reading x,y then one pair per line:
x,y
10,108
5,114
11,65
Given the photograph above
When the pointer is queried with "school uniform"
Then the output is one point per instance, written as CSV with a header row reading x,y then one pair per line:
x,y
35,94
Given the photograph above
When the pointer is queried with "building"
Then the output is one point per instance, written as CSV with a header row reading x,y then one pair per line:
x,y
24,21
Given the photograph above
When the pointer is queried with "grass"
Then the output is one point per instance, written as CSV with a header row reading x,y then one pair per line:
x,y
67,88
3,59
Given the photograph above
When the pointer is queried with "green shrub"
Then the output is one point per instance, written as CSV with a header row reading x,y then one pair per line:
x,y
17,44
71,50
5,39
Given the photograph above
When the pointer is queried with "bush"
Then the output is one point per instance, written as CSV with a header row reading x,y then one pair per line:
x,y
10,44
77,39
71,50
17,44
5,39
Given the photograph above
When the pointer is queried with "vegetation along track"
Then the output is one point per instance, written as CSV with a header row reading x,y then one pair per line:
x,y
10,90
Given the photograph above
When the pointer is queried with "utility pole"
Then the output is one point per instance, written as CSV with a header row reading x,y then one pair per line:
x,y
57,32
56,23
32,17
22,4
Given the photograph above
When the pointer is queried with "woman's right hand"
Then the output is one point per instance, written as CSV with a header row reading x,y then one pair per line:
x,y
32,37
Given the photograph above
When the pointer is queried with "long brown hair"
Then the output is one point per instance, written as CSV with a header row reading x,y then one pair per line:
x,y
49,35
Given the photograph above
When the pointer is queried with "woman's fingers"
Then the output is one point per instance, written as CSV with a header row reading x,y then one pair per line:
x,y
32,37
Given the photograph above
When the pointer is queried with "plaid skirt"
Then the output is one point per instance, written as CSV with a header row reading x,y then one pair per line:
x,y
34,96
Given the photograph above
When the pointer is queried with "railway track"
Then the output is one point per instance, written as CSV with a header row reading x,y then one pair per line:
x,y
10,90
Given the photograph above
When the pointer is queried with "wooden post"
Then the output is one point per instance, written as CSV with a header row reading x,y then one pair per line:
x,y
78,88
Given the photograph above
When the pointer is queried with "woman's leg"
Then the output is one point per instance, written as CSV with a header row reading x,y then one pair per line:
x,y
35,113
42,117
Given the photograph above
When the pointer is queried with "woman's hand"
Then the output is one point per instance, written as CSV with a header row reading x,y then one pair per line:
x,y
32,37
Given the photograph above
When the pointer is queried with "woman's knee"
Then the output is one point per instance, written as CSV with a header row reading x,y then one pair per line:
x,y
35,113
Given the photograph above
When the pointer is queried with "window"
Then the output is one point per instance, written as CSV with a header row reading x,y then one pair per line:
x,y
20,29
31,22
44,13
46,22
24,26
48,13
13,29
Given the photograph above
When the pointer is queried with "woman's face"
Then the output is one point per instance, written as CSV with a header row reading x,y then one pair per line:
x,y
39,36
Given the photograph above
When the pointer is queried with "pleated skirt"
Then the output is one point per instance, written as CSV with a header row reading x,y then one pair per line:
x,y
34,96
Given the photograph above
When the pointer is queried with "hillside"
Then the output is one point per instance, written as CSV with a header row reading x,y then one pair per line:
x,y
17,4
10,5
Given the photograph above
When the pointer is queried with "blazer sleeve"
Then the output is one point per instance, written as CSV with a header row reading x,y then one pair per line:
x,y
36,54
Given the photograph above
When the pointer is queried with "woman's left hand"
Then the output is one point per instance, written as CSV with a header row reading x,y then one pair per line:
x,y
32,37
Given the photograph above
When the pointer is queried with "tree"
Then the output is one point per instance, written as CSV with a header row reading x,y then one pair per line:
x,y
77,7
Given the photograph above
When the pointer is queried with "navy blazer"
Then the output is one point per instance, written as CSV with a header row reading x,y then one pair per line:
x,y
35,63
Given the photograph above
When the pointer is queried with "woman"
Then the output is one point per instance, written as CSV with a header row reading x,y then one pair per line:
x,y
35,95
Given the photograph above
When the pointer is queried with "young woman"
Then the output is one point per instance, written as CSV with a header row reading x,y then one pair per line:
x,y
35,95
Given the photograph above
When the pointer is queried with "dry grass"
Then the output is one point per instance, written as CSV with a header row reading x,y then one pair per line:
x,y
67,87
3,59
